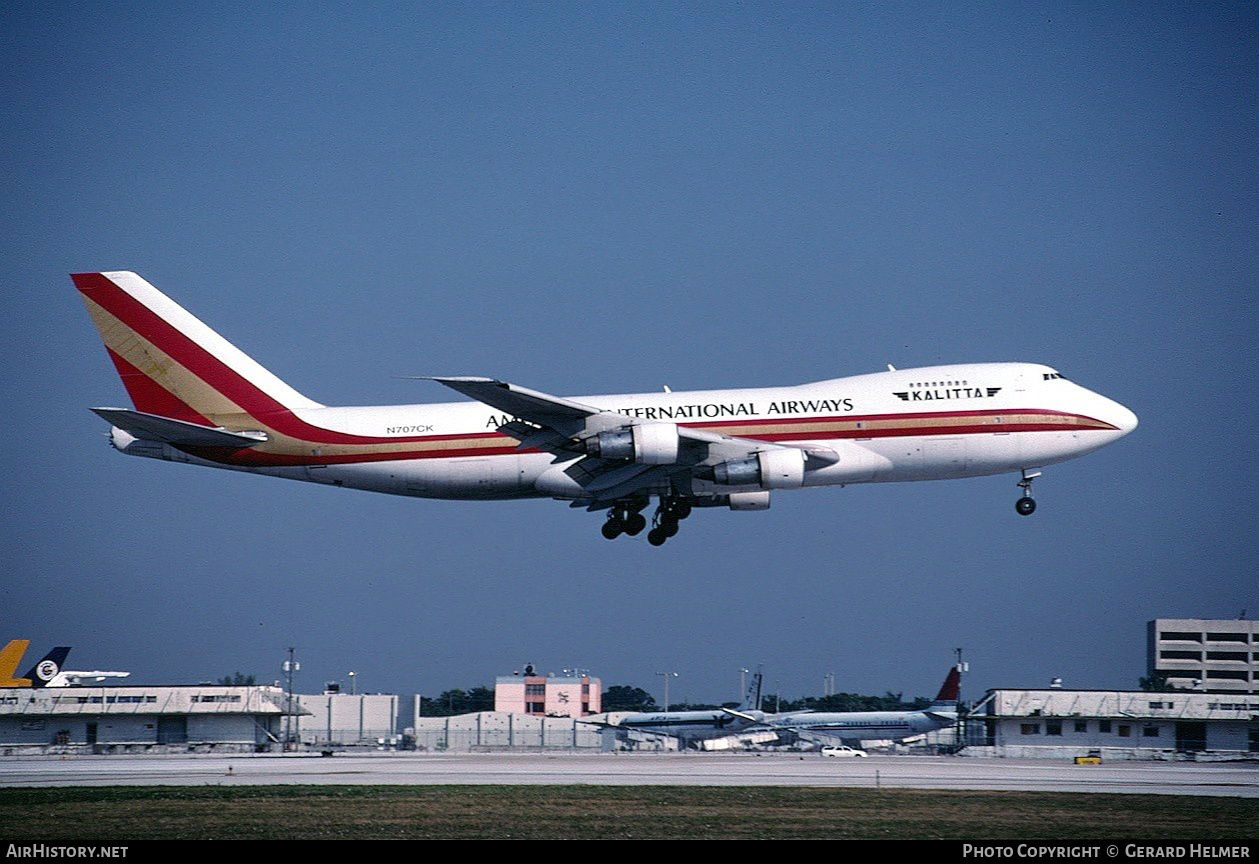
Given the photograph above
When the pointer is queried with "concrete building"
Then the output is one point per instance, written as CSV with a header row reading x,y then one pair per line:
x,y
140,719
490,730
347,719
1204,654
1113,724
548,696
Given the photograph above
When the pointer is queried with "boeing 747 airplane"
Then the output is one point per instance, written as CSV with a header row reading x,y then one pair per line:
x,y
199,400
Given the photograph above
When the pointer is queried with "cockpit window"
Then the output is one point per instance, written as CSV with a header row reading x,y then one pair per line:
x,y
1054,376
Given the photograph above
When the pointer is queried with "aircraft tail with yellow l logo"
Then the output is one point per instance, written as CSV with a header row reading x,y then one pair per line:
x,y
38,675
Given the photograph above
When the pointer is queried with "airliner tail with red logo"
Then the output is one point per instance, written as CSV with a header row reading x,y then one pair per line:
x,y
198,399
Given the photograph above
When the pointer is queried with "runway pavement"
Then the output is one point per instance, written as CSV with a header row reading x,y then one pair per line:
x,y
1239,779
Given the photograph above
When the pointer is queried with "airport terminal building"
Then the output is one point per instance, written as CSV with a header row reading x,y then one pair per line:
x,y
141,719
1113,724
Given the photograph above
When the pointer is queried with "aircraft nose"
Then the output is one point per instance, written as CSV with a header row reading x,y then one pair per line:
x,y
1121,417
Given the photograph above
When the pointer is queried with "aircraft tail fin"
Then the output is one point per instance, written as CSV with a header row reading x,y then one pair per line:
x,y
48,667
752,698
10,656
947,697
172,364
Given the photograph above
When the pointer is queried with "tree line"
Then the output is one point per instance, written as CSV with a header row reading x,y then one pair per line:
x,y
626,697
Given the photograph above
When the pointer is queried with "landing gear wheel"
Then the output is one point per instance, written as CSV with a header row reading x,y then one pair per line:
x,y
656,537
635,523
1026,505
668,527
612,529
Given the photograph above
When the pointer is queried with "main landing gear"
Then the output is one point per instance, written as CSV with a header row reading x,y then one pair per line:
x,y
1026,505
665,523
626,519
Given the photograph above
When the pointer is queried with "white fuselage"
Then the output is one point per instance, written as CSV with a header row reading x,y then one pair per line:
x,y
867,725
688,726
911,424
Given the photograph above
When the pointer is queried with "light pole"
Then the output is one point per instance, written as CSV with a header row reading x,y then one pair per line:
x,y
290,666
666,675
351,683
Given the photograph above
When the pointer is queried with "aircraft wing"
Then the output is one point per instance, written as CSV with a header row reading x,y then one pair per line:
x,y
573,432
154,427
539,408
602,724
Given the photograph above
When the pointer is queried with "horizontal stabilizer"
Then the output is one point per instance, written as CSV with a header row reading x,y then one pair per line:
x,y
153,427
742,715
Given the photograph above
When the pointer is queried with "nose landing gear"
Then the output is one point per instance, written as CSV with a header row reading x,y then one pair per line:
x,y
1026,505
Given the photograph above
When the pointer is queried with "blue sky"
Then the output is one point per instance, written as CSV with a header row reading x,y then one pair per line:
x,y
594,198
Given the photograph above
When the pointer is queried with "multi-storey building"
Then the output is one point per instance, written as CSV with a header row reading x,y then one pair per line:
x,y
568,695
1207,655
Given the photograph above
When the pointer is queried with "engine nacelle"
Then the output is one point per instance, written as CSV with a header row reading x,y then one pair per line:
x,y
646,443
749,500
769,469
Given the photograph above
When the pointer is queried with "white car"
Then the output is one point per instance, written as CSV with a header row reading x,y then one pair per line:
x,y
844,752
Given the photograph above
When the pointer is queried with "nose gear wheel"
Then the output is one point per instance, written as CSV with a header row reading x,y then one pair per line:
x,y
1026,505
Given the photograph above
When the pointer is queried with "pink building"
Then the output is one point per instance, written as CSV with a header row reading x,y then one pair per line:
x,y
543,696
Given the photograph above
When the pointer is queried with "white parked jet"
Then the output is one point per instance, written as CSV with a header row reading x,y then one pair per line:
x,y
691,727
200,400
853,727
81,678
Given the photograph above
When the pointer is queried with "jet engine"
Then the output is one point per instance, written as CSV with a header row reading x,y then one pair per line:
x,y
769,469
749,500
645,443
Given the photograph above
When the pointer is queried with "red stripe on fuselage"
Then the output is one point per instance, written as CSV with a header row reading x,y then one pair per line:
x,y
911,431
260,459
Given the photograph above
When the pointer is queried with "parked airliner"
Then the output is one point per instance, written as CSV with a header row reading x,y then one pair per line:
x,y
197,399
853,727
692,727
